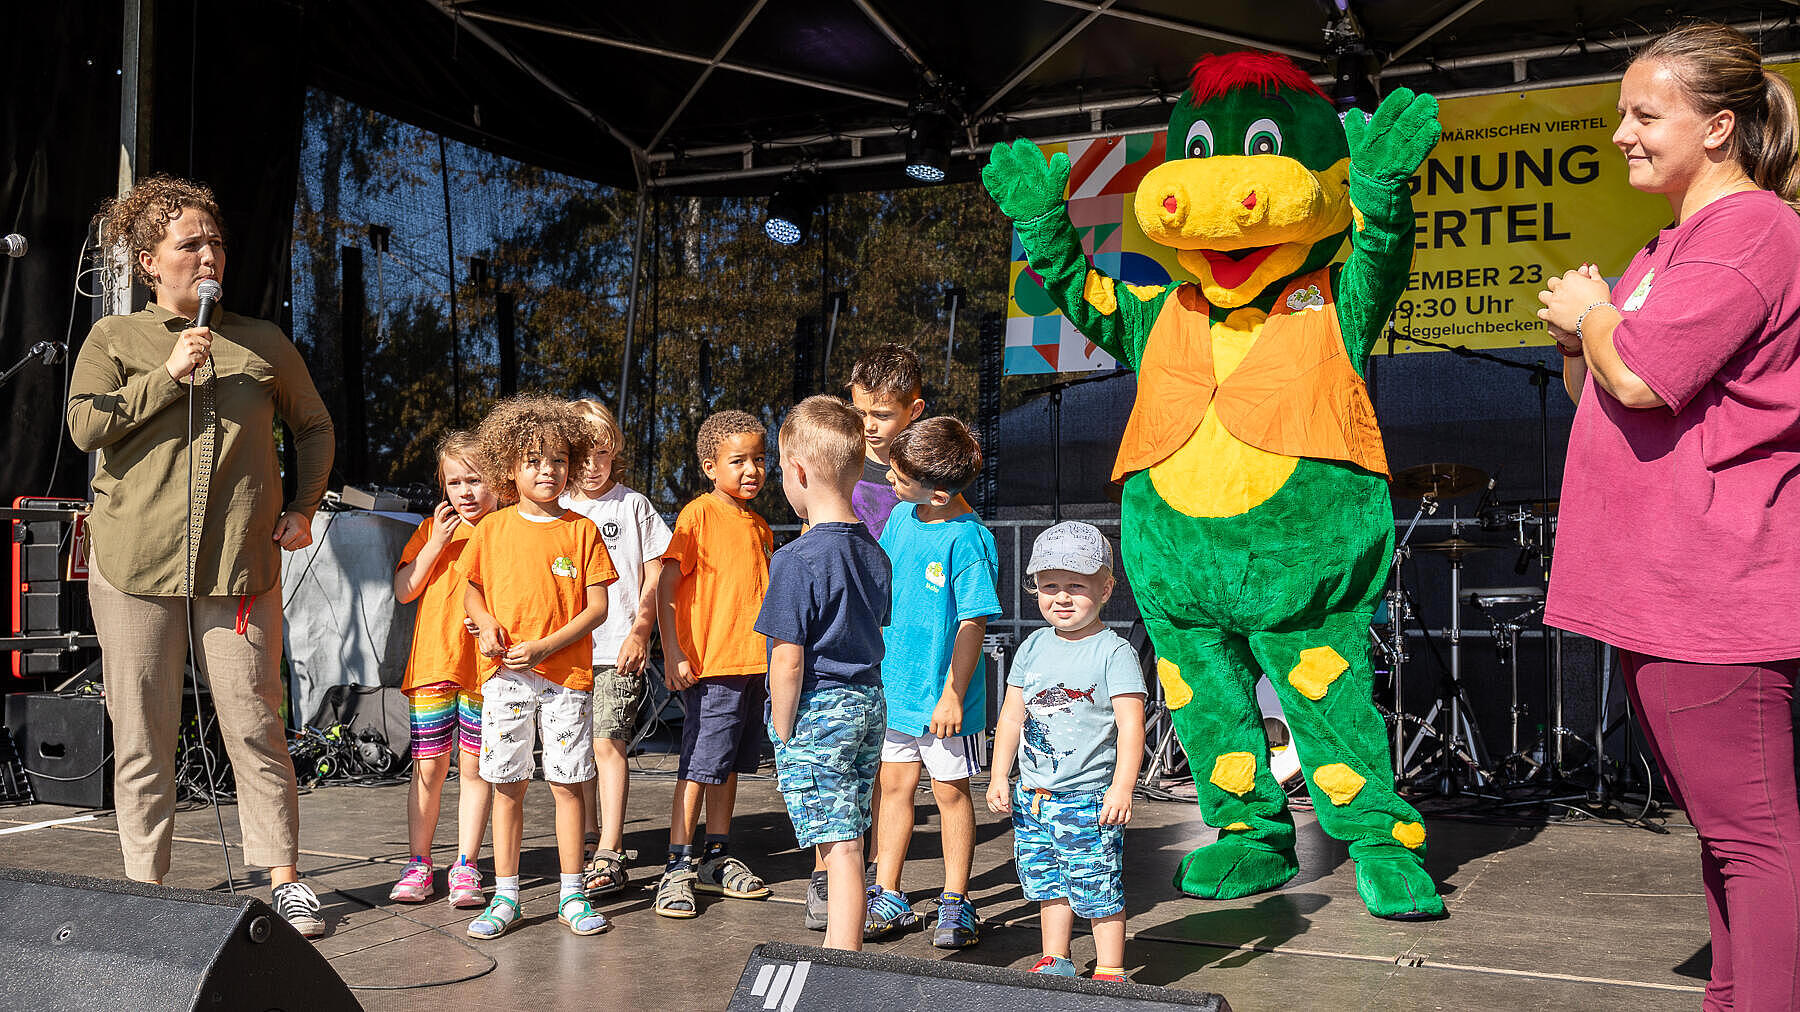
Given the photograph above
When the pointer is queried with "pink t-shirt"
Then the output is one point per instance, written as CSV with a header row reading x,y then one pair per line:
x,y
1679,533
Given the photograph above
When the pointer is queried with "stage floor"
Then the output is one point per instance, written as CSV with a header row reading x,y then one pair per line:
x,y
1543,916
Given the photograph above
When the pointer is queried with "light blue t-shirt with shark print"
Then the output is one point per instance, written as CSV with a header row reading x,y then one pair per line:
x,y
1070,741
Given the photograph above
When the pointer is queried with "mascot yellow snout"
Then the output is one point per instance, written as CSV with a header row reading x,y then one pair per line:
x,y
1271,206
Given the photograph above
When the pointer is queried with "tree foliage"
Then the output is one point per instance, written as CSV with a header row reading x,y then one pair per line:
x,y
719,311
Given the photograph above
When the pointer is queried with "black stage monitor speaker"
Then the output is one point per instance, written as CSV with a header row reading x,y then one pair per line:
x,y
65,745
73,942
800,978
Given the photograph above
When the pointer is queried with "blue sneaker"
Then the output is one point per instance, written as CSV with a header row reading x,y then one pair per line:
x,y
957,925
1055,966
889,913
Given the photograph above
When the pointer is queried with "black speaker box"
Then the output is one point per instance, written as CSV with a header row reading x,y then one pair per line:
x,y
800,978
73,942
65,745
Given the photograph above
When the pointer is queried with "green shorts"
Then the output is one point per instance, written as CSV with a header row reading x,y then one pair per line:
x,y
617,700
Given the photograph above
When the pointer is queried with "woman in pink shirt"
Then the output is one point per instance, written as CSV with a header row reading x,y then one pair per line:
x,y
1679,539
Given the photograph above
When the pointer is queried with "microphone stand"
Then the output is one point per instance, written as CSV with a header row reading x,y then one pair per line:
x,y
1055,390
48,349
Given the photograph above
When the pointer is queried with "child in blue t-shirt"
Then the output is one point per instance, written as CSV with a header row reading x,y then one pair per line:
x,y
828,597
945,574
1074,716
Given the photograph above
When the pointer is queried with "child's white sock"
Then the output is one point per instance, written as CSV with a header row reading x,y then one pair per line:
x,y
571,884
507,886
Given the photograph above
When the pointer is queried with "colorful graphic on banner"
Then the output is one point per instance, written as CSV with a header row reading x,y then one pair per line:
x,y
1522,186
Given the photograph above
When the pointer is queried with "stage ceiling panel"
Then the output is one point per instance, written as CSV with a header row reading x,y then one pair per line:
x,y
727,95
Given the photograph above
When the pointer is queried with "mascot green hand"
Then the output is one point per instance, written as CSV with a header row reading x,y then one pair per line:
x,y
1025,187
1257,526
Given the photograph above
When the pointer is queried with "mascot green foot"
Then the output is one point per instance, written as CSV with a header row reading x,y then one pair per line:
x,y
1233,867
1394,884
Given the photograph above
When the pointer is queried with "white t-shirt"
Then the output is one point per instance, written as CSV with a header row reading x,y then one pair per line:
x,y
633,532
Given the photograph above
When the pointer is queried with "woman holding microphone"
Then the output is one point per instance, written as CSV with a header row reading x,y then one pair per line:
x,y
1679,536
187,527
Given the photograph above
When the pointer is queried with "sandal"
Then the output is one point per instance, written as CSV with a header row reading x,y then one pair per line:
x,y
733,878
676,888
604,874
501,913
581,918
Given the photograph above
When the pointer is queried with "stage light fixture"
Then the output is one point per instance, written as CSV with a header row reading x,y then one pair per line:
x,y
928,144
790,211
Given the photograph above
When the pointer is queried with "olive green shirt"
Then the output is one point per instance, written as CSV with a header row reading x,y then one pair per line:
x,y
124,404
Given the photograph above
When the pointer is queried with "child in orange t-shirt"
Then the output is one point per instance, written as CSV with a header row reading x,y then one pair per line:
x,y
440,684
537,587
711,590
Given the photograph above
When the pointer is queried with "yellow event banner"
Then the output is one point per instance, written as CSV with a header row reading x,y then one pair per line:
x,y
1522,186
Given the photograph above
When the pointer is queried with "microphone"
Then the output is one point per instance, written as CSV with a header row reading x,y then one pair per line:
x,y
1523,562
51,350
210,292
14,245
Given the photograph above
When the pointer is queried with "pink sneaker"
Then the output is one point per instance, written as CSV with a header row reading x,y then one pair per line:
x,y
414,885
465,886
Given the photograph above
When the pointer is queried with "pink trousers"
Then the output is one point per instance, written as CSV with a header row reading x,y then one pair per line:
x,y
1723,735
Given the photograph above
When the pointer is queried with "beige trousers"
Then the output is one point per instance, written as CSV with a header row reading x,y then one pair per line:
x,y
143,650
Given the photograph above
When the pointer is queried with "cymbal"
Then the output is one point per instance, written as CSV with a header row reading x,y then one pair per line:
x,y
1455,546
1440,481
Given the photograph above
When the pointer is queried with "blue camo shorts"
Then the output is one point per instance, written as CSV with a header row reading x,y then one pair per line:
x,y
1063,852
826,769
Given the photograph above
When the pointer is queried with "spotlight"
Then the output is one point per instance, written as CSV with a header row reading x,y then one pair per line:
x,y
791,209
928,144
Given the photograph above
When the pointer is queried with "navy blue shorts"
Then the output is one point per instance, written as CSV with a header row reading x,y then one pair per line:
x,y
722,732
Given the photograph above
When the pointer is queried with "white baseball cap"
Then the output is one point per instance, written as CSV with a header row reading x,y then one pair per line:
x,y
1073,546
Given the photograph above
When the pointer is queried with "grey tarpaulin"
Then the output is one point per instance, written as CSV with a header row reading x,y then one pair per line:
x,y
343,625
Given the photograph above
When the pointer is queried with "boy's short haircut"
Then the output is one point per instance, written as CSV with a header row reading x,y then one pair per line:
x,y
524,424
722,425
606,429
462,445
889,371
829,434
938,452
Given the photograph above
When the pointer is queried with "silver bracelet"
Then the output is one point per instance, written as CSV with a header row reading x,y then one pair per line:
x,y
1579,320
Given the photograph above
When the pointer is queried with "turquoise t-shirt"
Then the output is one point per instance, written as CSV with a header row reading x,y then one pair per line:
x,y
943,573
1070,741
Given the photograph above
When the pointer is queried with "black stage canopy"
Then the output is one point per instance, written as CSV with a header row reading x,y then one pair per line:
x,y
725,95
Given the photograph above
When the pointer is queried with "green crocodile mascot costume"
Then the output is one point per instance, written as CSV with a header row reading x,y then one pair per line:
x,y
1257,527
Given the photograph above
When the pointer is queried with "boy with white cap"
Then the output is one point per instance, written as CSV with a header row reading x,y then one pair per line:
x,y
1074,716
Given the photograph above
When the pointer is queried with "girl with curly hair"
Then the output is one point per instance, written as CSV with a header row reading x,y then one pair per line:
x,y
537,576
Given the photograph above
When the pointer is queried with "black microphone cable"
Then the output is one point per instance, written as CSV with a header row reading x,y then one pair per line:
x,y
193,672
75,296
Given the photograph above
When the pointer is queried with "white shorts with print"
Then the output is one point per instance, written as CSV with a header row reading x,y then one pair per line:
x,y
945,759
514,705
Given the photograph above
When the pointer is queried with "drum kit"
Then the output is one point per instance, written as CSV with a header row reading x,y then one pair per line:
x,y
1444,750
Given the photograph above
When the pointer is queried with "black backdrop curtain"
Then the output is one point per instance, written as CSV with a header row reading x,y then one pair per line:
x,y
227,84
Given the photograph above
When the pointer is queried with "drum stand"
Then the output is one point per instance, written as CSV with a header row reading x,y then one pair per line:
x,y
1459,738
1506,643
1394,647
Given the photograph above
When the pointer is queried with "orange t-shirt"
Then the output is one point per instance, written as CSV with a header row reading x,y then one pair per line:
x,y
534,577
724,558
442,649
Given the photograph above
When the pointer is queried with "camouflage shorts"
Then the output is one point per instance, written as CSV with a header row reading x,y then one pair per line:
x,y
826,769
617,701
1063,852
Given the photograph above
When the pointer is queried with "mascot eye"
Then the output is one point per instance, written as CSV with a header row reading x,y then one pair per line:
x,y
1199,140
1263,138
